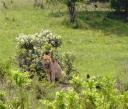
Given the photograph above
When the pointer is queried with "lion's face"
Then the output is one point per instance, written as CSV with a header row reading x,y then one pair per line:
x,y
46,61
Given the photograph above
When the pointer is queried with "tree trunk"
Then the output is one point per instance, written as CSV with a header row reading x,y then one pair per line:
x,y
72,10
42,4
39,3
4,4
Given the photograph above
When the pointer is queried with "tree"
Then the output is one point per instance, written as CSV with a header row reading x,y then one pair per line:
x,y
38,3
71,5
4,4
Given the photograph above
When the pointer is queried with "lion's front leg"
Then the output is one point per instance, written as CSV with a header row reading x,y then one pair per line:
x,y
49,77
53,77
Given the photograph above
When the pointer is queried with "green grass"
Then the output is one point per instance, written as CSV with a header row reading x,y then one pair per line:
x,y
100,47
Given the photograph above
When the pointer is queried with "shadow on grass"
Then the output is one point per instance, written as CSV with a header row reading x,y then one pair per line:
x,y
105,21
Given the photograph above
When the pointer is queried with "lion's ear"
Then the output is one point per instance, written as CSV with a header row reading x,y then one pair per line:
x,y
50,55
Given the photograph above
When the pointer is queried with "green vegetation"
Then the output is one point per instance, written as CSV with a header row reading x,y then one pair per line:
x,y
94,55
21,92
100,47
120,5
94,93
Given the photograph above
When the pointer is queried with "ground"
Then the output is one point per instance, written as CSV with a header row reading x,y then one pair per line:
x,y
100,44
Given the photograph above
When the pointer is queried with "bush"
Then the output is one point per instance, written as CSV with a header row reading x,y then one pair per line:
x,y
30,49
21,79
94,93
68,66
5,70
2,100
119,5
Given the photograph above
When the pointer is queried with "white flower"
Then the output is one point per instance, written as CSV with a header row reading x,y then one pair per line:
x,y
52,42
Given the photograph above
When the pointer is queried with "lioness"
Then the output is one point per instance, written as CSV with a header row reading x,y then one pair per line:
x,y
52,68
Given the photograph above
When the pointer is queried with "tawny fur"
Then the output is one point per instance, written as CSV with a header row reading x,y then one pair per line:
x,y
52,68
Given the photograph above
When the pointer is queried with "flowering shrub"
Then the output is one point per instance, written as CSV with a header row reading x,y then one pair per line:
x,y
38,40
25,41
30,49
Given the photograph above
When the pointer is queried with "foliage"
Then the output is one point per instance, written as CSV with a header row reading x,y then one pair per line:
x,y
42,89
31,48
5,70
93,51
119,5
38,40
63,100
99,0
68,64
71,5
82,93
94,93
25,92
65,1
2,100
21,79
